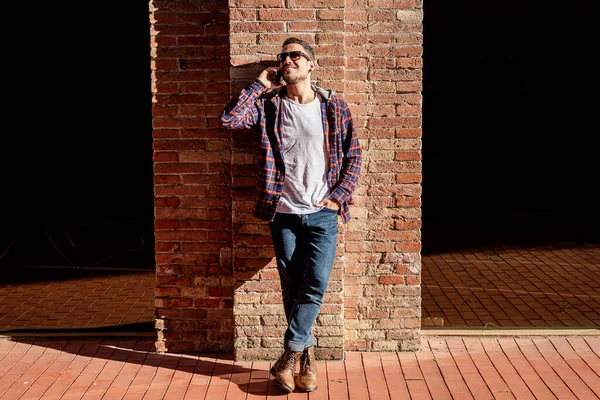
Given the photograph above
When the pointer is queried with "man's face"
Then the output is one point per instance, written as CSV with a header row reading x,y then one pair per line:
x,y
296,71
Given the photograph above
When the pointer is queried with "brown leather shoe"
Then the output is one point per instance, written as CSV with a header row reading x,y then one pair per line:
x,y
283,370
307,378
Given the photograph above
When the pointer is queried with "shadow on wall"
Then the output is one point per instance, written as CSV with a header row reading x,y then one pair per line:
x,y
252,256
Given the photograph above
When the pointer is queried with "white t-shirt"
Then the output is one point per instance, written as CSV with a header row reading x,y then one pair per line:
x,y
304,157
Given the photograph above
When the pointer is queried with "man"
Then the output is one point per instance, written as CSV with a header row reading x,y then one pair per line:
x,y
310,161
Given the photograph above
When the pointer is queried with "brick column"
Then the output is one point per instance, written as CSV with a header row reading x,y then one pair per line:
x,y
383,86
217,285
192,160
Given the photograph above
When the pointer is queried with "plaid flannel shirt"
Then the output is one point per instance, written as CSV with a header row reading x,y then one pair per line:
x,y
257,107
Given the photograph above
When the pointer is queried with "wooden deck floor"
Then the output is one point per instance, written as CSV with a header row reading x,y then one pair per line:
x,y
445,368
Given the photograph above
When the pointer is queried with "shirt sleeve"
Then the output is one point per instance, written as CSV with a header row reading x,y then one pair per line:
x,y
242,112
352,158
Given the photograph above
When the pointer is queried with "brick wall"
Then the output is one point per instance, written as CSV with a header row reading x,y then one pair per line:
x,y
383,85
217,285
192,176
256,36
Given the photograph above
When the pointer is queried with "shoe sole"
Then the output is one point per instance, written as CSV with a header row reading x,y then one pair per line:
x,y
284,387
308,390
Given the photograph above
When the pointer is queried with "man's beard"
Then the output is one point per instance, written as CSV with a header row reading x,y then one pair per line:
x,y
294,78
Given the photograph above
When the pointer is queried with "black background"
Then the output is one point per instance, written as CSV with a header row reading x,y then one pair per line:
x,y
77,183
509,100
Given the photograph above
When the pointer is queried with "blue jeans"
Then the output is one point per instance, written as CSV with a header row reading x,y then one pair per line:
x,y
305,249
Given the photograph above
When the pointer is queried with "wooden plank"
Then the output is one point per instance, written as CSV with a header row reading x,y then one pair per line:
x,y
162,377
202,374
505,368
322,392
550,377
129,359
452,377
69,374
219,382
240,380
534,382
573,371
374,376
415,381
432,375
336,380
492,378
394,377
33,371
259,380
357,384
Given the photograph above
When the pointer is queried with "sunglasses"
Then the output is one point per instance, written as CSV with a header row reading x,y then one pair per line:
x,y
293,55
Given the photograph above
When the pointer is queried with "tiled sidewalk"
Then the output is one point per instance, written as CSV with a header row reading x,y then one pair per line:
x,y
451,368
528,287
66,299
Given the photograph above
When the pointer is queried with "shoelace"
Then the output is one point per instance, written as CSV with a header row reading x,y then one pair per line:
x,y
292,358
307,362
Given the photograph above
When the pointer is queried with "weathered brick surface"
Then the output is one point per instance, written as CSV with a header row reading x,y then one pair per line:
x,y
192,162
217,284
383,81
257,295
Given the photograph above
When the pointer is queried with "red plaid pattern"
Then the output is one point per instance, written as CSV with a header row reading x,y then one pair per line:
x,y
255,107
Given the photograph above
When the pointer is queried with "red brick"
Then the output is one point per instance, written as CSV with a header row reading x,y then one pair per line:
x,y
391,280
166,292
220,292
178,302
285,15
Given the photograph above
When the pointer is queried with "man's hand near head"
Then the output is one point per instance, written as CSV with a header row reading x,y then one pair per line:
x,y
268,77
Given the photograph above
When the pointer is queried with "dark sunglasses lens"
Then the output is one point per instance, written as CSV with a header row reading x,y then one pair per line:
x,y
294,56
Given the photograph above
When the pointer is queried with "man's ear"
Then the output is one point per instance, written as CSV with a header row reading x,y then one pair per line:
x,y
311,66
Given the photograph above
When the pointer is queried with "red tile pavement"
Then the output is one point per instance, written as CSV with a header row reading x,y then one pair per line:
x,y
67,298
513,287
558,367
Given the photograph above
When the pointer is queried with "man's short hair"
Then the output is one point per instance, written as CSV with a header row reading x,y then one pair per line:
x,y
302,43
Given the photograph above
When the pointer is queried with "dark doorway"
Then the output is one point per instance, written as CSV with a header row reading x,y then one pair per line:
x,y
79,195
508,111
511,224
